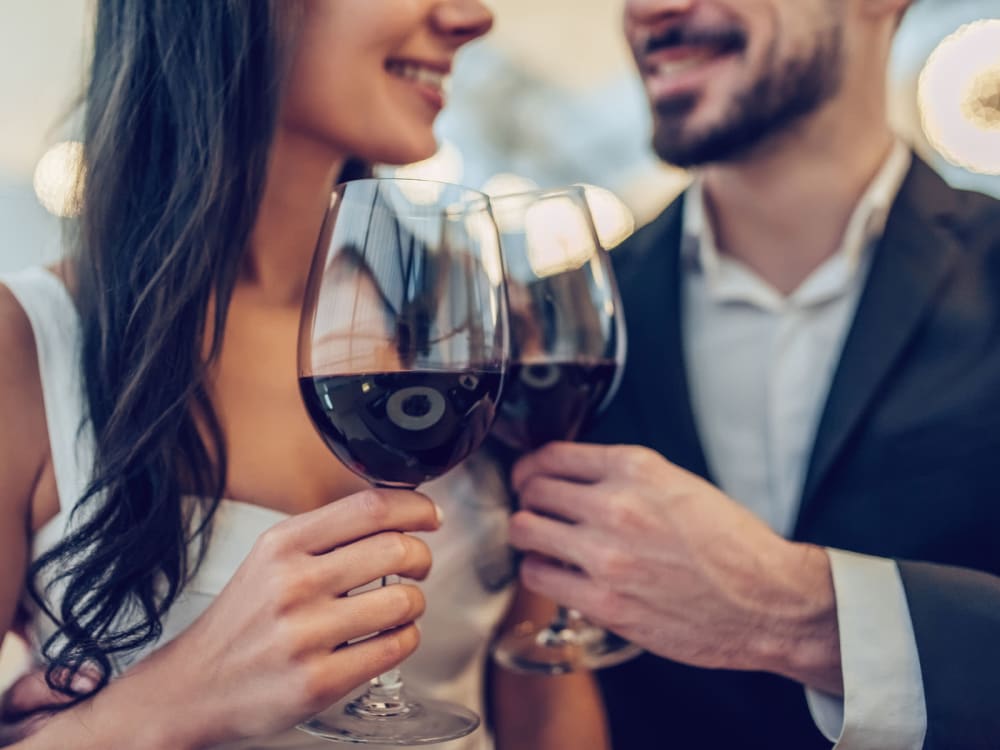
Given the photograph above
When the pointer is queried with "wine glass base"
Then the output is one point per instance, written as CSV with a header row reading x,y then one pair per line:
x,y
423,722
609,651
531,650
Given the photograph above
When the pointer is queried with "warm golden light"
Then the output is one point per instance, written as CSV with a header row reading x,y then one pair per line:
x,y
982,106
959,97
507,183
614,220
558,236
446,165
56,179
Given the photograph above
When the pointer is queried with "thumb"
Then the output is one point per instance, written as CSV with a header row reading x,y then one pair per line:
x,y
31,693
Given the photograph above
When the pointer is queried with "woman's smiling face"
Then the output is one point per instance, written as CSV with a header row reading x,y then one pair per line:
x,y
368,76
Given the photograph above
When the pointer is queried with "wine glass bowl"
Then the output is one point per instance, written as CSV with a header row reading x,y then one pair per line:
x,y
567,353
565,337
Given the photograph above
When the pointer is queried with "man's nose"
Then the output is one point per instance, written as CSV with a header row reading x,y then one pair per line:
x,y
648,12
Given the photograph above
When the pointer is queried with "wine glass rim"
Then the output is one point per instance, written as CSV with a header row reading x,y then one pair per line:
x,y
576,190
474,196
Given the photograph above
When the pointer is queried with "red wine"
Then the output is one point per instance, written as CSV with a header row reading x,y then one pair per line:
x,y
402,428
550,401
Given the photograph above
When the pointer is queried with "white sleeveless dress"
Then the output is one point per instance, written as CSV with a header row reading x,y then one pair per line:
x,y
467,591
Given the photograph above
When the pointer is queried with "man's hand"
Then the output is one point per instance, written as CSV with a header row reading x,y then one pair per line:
x,y
666,560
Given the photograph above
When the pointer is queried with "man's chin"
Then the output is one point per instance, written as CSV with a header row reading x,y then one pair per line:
x,y
672,111
678,148
676,141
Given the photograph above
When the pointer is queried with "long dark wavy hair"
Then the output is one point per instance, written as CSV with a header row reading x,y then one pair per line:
x,y
181,111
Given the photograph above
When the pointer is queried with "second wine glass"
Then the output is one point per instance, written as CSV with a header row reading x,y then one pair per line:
x,y
567,354
403,347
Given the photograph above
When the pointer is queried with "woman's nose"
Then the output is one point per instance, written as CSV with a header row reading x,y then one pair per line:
x,y
462,20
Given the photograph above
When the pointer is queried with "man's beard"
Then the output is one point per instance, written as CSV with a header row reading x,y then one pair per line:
x,y
777,100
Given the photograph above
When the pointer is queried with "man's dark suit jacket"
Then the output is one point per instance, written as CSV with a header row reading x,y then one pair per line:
x,y
906,465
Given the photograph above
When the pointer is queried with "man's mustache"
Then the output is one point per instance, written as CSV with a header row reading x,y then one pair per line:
x,y
724,40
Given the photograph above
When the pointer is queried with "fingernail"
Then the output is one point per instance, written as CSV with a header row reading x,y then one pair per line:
x,y
83,683
440,514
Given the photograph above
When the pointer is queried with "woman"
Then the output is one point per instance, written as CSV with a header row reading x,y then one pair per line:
x,y
152,376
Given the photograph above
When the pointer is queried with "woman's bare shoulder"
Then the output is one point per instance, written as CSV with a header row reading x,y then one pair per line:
x,y
17,342
23,435
23,448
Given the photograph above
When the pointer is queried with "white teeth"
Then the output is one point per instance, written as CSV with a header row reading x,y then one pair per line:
x,y
419,74
679,66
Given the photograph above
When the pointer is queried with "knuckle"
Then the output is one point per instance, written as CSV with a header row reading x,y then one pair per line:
x,y
316,686
607,609
375,505
398,601
533,489
271,544
635,462
520,525
290,640
421,551
619,511
291,588
395,548
409,602
610,564
400,644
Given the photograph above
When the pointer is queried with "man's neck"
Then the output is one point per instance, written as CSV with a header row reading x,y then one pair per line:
x,y
783,211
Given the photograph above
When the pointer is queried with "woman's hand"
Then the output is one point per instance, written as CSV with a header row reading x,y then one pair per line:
x,y
28,704
271,649
25,707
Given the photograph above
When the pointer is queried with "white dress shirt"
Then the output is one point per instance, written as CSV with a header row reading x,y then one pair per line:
x,y
760,365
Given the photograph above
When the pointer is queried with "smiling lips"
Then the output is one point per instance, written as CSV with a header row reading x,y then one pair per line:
x,y
430,78
682,60
679,69
679,58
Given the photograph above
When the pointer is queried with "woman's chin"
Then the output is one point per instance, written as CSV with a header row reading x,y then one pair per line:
x,y
406,152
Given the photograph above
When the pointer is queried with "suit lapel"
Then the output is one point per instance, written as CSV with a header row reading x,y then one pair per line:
x,y
655,384
910,265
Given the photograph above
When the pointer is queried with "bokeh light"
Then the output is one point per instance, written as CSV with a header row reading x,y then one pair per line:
x,y
614,221
959,97
507,183
57,179
558,236
447,165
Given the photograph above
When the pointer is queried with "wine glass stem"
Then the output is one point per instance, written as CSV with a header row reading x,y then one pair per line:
x,y
387,685
561,620
384,696
386,688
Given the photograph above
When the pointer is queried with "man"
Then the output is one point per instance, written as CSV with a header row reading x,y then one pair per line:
x,y
814,327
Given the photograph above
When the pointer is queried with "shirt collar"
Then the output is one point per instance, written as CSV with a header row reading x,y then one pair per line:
x,y
729,280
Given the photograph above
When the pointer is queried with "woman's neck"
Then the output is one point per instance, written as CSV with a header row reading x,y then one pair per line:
x,y
296,195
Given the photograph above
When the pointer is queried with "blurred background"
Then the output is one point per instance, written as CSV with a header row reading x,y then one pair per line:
x,y
550,98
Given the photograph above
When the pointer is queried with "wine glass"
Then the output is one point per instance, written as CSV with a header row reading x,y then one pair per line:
x,y
403,348
567,355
